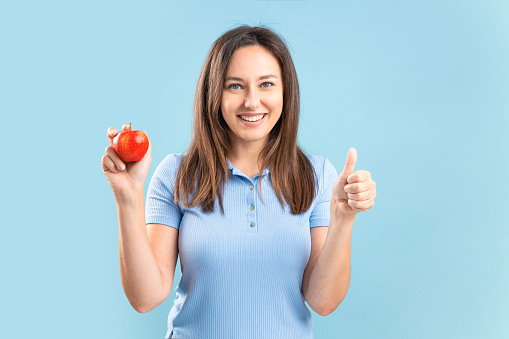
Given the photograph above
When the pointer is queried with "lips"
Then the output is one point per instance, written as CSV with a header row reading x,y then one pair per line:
x,y
253,123
258,116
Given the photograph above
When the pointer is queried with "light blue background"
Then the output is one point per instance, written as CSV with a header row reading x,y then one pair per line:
x,y
419,88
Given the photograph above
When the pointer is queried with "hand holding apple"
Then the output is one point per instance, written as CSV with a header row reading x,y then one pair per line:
x,y
127,173
130,145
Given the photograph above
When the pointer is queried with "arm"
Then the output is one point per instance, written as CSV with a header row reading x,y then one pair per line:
x,y
330,276
352,192
141,278
148,253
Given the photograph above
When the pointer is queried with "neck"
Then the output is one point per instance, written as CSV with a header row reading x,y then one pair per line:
x,y
245,154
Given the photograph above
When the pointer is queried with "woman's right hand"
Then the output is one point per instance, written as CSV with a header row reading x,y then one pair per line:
x,y
124,177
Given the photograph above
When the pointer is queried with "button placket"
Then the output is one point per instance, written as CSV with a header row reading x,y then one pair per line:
x,y
251,212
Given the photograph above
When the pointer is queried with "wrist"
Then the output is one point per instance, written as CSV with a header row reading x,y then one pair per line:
x,y
339,220
133,193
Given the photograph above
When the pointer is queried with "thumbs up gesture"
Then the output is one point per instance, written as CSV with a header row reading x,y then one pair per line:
x,y
353,192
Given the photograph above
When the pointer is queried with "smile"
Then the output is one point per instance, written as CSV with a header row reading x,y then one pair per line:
x,y
253,121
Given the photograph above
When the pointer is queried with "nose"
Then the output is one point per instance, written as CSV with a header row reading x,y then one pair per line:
x,y
251,100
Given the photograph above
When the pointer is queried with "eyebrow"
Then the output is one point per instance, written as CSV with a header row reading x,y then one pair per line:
x,y
260,78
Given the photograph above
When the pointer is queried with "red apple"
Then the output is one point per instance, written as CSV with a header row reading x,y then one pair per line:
x,y
130,145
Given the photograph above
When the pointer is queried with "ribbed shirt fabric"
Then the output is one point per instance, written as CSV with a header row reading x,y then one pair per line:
x,y
241,272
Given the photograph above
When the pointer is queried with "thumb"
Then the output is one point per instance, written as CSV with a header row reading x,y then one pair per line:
x,y
351,159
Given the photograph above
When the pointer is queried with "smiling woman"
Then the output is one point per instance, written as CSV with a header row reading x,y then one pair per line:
x,y
245,208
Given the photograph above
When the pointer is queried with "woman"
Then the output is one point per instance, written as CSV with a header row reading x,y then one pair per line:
x,y
248,212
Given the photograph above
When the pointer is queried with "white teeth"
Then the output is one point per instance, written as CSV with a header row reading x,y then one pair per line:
x,y
255,118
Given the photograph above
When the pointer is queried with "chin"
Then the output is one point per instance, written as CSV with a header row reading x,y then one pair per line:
x,y
252,138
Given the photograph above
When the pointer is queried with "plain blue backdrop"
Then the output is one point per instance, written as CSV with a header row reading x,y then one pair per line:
x,y
419,88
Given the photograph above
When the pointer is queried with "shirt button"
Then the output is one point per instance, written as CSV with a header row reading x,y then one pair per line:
x,y
251,207
251,187
252,224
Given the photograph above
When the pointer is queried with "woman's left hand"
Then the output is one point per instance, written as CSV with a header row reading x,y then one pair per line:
x,y
353,192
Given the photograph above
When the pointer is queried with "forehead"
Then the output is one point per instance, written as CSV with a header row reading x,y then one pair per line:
x,y
252,62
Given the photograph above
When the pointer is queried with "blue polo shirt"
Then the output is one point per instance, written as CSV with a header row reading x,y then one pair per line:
x,y
241,272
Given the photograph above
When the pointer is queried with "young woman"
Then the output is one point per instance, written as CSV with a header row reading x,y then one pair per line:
x,y
260,227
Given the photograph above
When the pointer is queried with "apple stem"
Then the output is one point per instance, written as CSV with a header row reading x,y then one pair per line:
x,y
130,127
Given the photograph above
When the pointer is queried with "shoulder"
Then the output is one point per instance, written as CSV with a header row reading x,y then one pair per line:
x,y
320,163
171,162
168,168
324,169
173,158
316,160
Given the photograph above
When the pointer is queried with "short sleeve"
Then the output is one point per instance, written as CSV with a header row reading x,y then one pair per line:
x,y
327,176
160,207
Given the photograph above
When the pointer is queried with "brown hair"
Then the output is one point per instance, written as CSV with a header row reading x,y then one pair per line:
x,y
203,170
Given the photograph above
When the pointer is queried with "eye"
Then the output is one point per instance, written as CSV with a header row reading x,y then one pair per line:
x,y
267,82
233,85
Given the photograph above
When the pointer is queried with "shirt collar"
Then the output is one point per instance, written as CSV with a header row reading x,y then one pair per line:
x,y
235,170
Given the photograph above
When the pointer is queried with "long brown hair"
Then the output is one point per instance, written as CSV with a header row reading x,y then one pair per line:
x,y
203,170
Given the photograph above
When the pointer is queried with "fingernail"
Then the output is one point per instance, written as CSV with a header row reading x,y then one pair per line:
x,y
121,167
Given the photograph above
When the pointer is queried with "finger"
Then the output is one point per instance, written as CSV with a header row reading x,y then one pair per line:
x,y
111,133
362,196
358,176
119,164
351,159
361,205
107,163
359,187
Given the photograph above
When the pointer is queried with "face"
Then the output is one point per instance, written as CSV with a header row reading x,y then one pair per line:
x,y
253,89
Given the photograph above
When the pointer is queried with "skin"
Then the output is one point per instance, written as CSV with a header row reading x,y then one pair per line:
x,y
353,192
251,95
